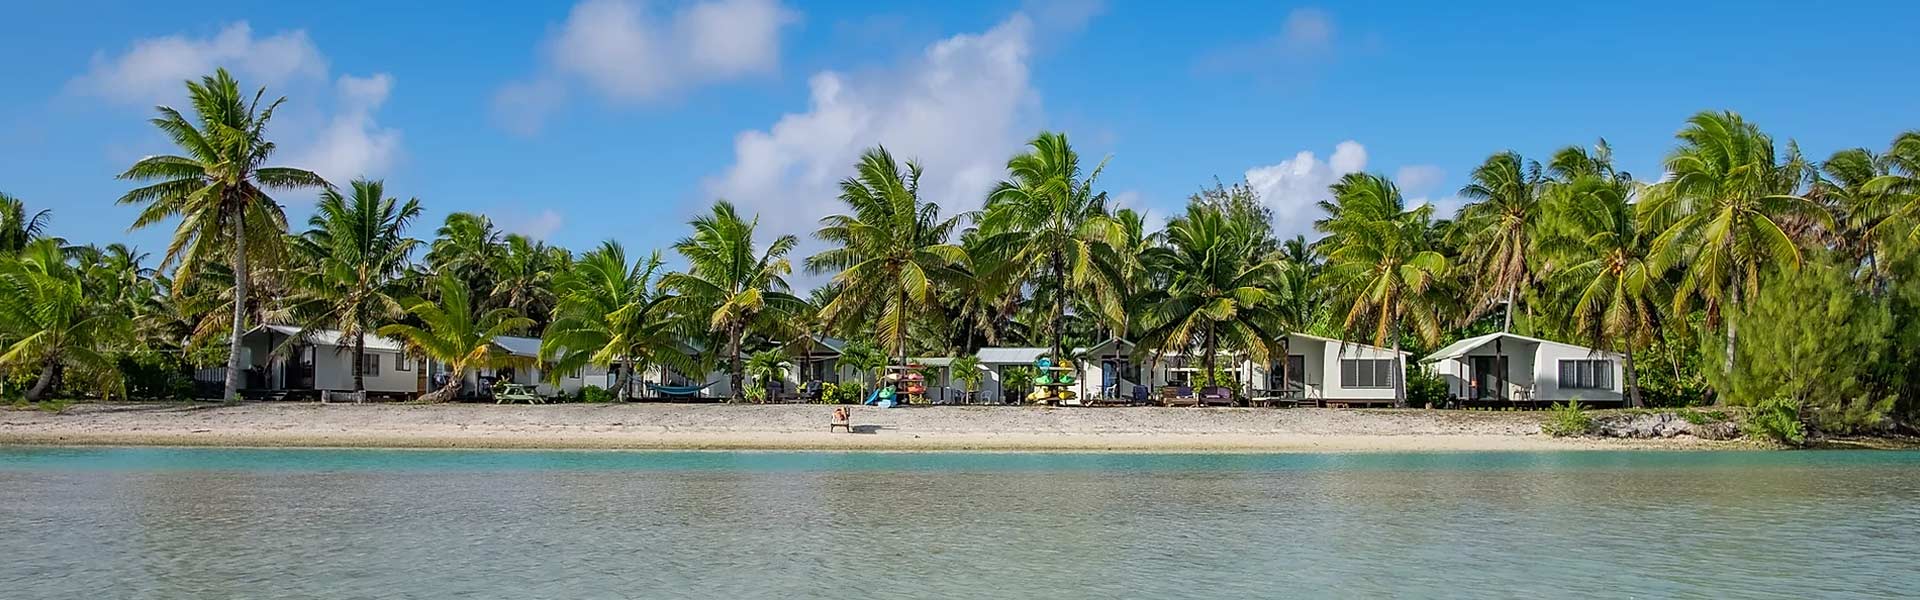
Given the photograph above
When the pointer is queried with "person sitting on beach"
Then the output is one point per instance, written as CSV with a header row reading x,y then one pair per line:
x,y
841,418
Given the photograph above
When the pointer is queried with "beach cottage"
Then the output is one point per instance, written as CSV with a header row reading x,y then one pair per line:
x,y
1319,370
1510,368
283,361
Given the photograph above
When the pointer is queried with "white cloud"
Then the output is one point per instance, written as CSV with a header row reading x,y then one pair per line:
x,y
1307,31
540,226
1417,180
627,54
327,127
151,70
352,145
1294,187
961,108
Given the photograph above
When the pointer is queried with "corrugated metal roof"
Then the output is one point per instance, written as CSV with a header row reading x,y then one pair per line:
x,y
333,337
519,346
1007,356
1462,347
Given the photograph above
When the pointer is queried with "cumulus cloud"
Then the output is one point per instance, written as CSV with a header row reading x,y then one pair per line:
x,y
151,70
539,226
626,54
352,144
961,108
1294,187
330,128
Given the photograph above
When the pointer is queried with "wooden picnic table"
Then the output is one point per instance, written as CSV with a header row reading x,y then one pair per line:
x,y
516,392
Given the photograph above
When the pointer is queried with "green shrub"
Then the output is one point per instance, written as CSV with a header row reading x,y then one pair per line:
x,y
1425,388
1856,417
1776,419
840,393
593,393
755,392
153,375
1701,417
1568,419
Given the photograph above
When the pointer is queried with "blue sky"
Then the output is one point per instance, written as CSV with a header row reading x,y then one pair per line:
x,y
620,118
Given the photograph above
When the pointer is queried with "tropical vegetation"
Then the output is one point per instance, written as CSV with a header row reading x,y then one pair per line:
x,y
1747,273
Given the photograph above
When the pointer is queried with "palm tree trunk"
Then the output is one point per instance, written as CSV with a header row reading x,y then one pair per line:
x,y
232,392
1399,375
1213,347
1733,334
625,380
1633,382
735,371
446,392
1059,307
44,383
1507,327
359,365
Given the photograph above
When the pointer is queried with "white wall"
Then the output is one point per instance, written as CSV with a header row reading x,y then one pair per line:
x,y
333,370
1547,374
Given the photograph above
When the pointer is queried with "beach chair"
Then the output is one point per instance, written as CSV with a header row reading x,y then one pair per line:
x,y
1178,396
1216,396
842,418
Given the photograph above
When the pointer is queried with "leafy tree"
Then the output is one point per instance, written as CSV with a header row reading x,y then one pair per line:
x,y
730,284
523,273
17,228
1048,221
865,358
1380,265
1601,253
52,320
767,366
1501,222
611,311
354,253
1222,289
218,189
1812,342
889,252
1720,213
456,332
467,246
966,369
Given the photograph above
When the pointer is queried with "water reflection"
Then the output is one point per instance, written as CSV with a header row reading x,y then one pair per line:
x,y
360,524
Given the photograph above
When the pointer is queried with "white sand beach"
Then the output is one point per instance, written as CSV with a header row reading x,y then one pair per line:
x,y
797,427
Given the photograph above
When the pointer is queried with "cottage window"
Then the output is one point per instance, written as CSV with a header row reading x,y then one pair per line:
x,y
1586,374
369,364
1361,373
401,364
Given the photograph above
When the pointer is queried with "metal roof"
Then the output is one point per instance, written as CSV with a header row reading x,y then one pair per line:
x,y
332,337
519,346
1462,347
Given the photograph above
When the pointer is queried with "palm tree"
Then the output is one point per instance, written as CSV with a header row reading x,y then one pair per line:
x,y
218,189
865,358
767,366
1901,183
1720,211
1048,220
1223,289
456,333
52,319
966,369
1600,252
355,252
523,275
467,246
1381,267
609,312
892,249
1501,222
17,228
735,287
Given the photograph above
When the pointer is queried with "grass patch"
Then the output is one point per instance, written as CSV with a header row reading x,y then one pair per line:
x,y
1567,420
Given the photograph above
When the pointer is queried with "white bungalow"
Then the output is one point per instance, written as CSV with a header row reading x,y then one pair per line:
x,y
1320,370
1517,368
281,361
1316,370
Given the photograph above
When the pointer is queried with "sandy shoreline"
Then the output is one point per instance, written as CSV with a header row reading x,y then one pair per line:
x,y
797,427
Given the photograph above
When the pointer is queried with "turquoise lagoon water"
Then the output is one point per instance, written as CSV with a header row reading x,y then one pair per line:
x,y
216,523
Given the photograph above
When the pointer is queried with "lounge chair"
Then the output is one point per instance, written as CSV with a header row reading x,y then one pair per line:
x,y
1178,396
678,390
1216,396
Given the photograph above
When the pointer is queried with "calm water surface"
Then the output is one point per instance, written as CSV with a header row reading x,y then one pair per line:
x,y
202,523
